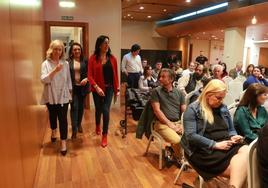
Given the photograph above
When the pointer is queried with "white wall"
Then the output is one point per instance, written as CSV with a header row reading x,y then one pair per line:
x,y
200,45
103,17
143,34
211,49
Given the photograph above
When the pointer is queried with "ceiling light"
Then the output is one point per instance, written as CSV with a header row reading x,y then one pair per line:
x,y
222,31
165,10
195,13
149,16
132,17
188,1
141,7
128,15
212,8
213,36
254,20
183,16
67,4
204,33
124,16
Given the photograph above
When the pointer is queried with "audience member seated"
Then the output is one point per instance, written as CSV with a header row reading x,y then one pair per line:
x,y
191,82
210,141
191,68
251,116
264,72
256,77
168,103
249,70
198,92
237,70
262,156
157,69
217,71
224,71
201,59
178,70
147,82
144,63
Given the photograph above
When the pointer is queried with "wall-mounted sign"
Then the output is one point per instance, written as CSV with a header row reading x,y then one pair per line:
x,y
67,18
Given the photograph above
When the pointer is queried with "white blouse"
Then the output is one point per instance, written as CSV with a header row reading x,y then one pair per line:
x,y
56,90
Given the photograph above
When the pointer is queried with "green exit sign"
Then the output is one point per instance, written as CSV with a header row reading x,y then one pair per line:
x,y
67,17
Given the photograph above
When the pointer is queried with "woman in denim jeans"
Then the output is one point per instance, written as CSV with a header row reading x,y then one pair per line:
x,y
210,141
78,71
103,78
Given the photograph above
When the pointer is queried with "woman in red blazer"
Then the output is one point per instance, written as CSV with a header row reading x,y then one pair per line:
x,y
103,78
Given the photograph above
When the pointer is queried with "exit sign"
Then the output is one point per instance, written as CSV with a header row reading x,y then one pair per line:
x,y
67,17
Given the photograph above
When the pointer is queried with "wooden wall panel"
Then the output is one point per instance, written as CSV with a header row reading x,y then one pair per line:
x,y
10,155
263,57
22,119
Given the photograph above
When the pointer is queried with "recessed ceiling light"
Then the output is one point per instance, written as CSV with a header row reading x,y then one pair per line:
x,y
128,14
149,16
204,33
132,17
141,7
213,36
124,16
67,4
222,30
188,1
165,10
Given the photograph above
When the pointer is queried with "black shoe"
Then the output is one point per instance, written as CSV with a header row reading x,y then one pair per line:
x,y
63,152
74,135
80,129
53,139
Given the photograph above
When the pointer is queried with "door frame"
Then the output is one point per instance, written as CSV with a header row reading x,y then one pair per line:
x,y
85,35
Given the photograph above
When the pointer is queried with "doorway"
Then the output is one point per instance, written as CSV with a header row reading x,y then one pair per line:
x,y
68,32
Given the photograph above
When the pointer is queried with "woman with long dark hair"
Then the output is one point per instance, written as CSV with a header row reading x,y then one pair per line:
x,y
249,70
103,78
78,70
256,77
250,115
147,82
224,71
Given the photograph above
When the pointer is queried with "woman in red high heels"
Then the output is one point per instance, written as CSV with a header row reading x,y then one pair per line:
x,y
103,79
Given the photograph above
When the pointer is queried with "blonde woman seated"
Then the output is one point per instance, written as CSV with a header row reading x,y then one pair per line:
x,y
147,82
210,141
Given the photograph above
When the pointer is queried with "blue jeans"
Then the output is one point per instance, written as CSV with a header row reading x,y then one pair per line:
x,y
102,106
77,108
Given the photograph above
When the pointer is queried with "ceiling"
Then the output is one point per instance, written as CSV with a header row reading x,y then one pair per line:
x,y
154,10
240,17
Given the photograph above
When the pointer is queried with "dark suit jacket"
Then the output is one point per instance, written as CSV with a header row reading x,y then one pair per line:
x,y
83,74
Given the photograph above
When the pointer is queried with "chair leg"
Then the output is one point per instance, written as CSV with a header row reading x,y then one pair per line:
x,y
179,173
160,154
201,182
149,143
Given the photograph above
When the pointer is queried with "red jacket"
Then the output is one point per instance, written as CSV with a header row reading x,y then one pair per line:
x,y
95,74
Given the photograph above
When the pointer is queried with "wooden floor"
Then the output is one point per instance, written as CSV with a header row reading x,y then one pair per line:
x,y
121,164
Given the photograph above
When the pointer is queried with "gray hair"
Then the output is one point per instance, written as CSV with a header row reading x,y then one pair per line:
x,y
217,66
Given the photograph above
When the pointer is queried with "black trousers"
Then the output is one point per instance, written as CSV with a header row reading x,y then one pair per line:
x,y
59,111
133,80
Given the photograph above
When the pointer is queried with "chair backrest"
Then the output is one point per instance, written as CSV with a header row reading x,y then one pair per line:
x,y
229,99
227,79
253,175
232,112
235,88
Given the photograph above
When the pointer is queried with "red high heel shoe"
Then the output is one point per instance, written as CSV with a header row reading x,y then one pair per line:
x,y
104,140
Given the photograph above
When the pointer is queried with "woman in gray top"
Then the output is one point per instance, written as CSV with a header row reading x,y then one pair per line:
x,y
55,75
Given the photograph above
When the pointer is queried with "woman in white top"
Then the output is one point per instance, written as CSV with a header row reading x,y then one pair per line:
x,y
146,81
55,75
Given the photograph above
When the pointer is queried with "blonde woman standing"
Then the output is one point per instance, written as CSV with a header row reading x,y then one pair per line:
x,y
210,141
55,76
